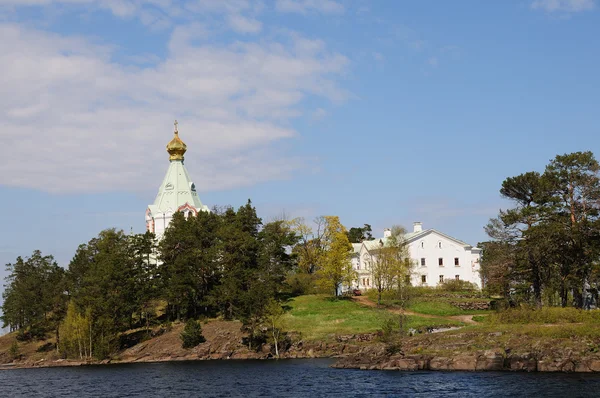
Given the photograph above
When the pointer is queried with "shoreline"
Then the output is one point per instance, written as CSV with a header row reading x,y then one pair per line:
x,y
373,357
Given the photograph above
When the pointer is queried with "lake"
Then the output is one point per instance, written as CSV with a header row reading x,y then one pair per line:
x,y
286,378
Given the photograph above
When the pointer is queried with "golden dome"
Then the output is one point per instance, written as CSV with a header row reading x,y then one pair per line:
x,y
176,147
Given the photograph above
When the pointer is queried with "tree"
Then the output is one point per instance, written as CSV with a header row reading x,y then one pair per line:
x,y
359,234
276,258
240,293
309,248
390,262
335,267
274,322
497,266
190,266
103,284
551,237
76,332
191,335
527,223
33,295
574,186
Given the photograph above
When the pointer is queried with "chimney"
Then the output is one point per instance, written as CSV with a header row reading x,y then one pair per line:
x,y
387,233
417,227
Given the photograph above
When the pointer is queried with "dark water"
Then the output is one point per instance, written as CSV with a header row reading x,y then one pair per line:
x,y
292,378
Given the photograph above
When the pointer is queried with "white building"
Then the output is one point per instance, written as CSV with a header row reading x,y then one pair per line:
x,y
176,193
436,257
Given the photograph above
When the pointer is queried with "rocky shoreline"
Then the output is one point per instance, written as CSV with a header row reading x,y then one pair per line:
x,y
450,351
377,358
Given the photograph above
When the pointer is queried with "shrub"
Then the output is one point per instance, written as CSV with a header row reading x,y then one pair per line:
x,y
14,351
192,334
301,284
453,285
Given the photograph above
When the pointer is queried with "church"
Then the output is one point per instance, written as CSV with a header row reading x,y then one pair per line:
x,y
176,193
435,258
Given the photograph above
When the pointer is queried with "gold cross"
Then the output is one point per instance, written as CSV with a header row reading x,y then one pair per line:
x,y
176,126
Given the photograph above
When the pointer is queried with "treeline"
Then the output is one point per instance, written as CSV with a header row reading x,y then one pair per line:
x,y
224,263
545,250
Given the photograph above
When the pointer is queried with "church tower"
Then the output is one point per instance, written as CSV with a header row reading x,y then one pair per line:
x,y
176,193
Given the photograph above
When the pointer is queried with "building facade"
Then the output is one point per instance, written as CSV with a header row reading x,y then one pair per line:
x,y
435,257
176,193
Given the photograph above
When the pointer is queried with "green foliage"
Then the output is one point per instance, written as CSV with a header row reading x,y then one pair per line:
x,y
76,334
334,266
300,283
359,234
546,245
393,326
190,270
547,315
453,285
13,351
33,295
191,335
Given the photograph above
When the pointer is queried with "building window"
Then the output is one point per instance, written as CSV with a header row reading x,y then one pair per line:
x,y
440,244
441,262
457,277
441,278
368,283
422,261
422,245
423,278
456,262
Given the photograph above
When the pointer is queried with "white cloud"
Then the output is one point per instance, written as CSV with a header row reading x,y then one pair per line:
x,y
304,6
563,5
318,114
242,24
74,120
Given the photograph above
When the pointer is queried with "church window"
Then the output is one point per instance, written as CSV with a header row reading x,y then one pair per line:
x,y
422,245
423,278
422,261
440,244
456,262
441,278
457,277
441,262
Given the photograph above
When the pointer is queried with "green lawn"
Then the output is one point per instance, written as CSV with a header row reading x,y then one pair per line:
x,y
440,308
318,317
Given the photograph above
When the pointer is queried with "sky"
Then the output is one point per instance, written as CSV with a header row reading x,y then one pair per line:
x,y
383,112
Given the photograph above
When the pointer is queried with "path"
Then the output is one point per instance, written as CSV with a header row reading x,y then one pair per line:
x,y
364,300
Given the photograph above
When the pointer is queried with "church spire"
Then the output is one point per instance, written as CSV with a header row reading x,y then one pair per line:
x,y
176,147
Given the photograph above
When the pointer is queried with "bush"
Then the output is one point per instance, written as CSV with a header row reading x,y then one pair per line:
x,y
301,284
192,334
454,285
14,351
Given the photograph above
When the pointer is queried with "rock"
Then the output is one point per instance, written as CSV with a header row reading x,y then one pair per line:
x,y
548,366
464,362
594,365
440,363
490,360
523,362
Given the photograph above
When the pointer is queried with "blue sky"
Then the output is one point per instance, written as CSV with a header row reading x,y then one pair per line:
x,y
382,112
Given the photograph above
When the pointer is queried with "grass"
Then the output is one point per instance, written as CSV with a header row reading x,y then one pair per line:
x,y
440,308
546,315
319,317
